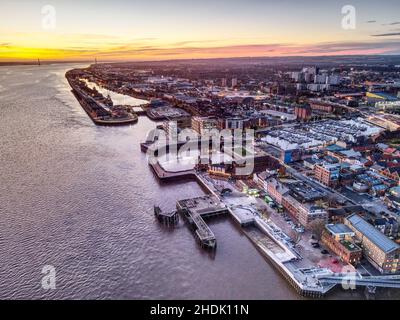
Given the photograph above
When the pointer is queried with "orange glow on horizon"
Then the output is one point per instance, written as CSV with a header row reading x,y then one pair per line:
x,y
131,52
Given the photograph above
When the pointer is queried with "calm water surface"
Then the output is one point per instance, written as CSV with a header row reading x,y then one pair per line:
x,y
80,198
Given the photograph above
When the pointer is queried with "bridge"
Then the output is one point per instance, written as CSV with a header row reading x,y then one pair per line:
x,y
362,281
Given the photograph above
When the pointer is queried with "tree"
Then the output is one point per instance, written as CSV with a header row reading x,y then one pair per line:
x,y
295,236
265,213
317,227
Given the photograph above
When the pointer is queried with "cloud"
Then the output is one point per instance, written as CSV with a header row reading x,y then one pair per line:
x,y
371,21
184,43
219,51
351,48
257,50
386,34
135,51
392,24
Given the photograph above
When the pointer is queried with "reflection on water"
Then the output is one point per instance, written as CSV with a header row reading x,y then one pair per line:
x,y
117,98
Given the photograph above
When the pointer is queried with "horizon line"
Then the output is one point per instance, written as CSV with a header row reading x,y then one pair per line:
x,y
34,61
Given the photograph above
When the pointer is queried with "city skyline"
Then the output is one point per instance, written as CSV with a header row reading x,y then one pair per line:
x,y
155,30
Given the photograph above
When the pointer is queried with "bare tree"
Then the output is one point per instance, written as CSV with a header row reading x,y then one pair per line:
x,y
317,227
266,214
295,236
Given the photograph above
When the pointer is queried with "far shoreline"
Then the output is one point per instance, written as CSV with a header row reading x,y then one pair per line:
x,y
42,63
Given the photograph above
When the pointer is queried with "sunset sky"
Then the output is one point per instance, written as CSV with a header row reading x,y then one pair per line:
x,y
160,29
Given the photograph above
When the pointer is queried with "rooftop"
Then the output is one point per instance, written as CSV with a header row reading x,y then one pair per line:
x,y
305,192
350,246
337,229
377,237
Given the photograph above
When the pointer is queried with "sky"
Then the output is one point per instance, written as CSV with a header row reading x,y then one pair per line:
x,y
122,30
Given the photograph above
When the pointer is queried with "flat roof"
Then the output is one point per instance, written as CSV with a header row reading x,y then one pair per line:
x,y
350,246
339,228
334,148
373,234
305,192
383,95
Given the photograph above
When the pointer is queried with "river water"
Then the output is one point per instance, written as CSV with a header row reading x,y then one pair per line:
x,y
117,98
80,198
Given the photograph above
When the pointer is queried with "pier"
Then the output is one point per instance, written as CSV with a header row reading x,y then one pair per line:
x,y
195,211
164,175
166,218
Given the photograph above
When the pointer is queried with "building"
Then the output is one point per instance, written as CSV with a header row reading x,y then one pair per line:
x,y
324,106
220,170
304,213
233,123
327,174
224,83
315,87
374,97
298,199
339,238
388,105
276,189
303,112
333,79
392,198
392,173
174,126
234,82
383,253
204,124
320,78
